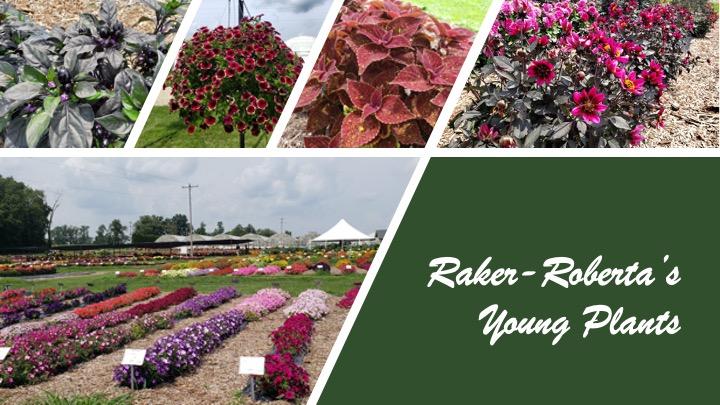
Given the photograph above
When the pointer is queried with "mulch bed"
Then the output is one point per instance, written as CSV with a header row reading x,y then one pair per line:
x,y
691,118
295,132
216,381
64,13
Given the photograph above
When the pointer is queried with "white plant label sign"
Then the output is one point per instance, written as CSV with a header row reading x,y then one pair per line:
x,y
348,267
252,365
4,352
134,357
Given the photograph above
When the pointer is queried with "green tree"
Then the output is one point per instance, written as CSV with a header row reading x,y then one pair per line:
x,y
116,233
23,215
101,235
267,232
71,235
202,230
148,228
219,228
177,225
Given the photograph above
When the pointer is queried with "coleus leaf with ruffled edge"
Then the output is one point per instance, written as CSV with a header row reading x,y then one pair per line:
x,y
357,132
388,109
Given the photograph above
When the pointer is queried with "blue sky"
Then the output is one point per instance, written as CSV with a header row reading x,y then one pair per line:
x,y
312,194
291,18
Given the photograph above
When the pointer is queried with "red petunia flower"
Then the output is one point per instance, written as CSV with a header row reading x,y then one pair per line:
x,y
589,105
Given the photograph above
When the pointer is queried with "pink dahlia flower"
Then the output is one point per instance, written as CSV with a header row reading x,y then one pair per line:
x,y
589,105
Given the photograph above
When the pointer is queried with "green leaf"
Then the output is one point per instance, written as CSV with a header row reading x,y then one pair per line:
x,y
85,89
116,123
138,92
8,75
50,103
52,74
131,113
38,124
619,122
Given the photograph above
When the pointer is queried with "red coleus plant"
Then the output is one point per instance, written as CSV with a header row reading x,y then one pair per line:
x,y
383,76
237,77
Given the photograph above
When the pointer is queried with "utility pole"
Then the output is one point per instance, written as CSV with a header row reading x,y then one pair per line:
x,y
189,188
282,233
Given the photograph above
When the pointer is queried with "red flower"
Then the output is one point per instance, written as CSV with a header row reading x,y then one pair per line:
x,y
636,136
632,83
542,71
487,133
589,105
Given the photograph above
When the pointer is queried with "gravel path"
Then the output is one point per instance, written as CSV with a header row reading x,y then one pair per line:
x,y
64,13
691,118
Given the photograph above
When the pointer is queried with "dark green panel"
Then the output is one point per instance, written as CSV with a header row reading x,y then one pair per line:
x,y
413,344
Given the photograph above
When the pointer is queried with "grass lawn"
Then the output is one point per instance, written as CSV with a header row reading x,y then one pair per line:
x,y
465,13
104,277
165,129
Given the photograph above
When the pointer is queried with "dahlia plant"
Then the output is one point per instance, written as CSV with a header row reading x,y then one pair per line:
x,y
79,87
574,74
383,76
238,77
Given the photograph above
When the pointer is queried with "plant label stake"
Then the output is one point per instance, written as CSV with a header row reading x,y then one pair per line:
x,y
4,352
252,366
132,358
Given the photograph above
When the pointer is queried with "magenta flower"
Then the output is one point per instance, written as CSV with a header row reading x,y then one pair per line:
x,y
487,133
589,105
542,71
632,83
636,136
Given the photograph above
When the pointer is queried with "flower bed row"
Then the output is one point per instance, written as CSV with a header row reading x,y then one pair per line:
x,y
39,354
311,303
349,298
47,302
108,305
19,270
182,352
36,308
284,377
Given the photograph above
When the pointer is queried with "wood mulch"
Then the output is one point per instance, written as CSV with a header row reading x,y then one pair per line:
x,y
691,117
216,381
64,13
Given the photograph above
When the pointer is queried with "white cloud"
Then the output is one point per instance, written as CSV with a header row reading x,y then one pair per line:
x,y
310,193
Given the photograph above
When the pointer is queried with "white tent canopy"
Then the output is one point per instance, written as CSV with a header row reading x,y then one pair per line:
x,y
342,231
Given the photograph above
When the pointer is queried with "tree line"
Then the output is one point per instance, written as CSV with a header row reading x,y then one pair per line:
x,y
25,221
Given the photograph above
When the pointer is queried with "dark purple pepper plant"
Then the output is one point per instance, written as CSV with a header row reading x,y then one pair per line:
x,y
79,87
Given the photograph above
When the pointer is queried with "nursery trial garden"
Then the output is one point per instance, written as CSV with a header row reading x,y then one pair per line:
x,y
67,318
